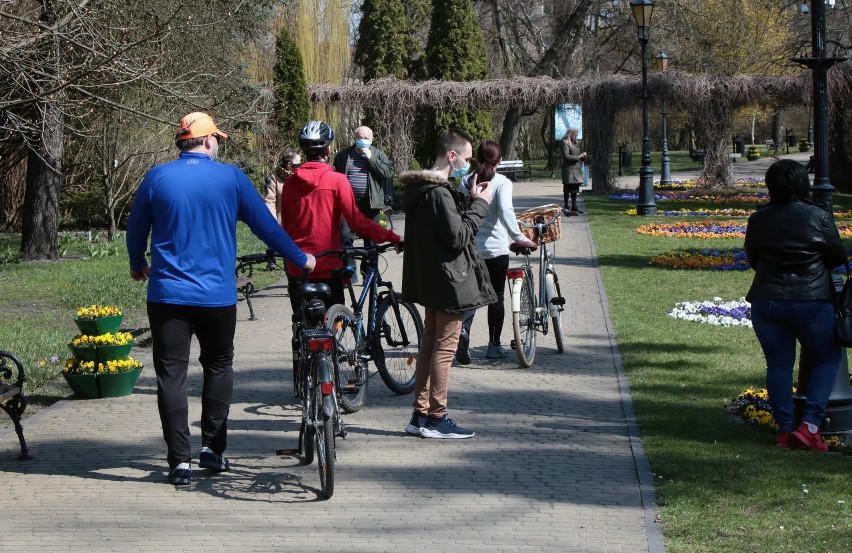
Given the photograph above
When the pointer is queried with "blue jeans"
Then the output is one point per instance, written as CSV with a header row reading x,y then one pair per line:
x,y
778,324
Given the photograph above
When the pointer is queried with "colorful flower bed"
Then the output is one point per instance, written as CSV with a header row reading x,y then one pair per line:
x,y
714,260
715,312
705,197
703,229
728,212
753,407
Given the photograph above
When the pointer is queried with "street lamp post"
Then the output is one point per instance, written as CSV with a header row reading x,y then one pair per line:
x,y
642,10
838,410
665,169
819,64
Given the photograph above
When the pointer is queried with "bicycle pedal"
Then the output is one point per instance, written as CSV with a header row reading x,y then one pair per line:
x,y
289,451
512,344
558,301
351,387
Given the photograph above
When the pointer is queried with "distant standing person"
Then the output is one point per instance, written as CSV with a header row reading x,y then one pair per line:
x,y
287,163
367,169
572,170
190,208
444,272
792,245
498,230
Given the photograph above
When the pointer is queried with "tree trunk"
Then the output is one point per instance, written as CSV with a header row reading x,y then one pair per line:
x,y
714,126
39,238
509,136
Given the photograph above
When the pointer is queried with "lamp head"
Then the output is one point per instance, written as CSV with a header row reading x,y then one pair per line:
x,y
642,10
804,10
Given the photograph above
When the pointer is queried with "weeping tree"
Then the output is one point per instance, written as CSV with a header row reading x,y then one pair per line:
x,y
454,52
292,108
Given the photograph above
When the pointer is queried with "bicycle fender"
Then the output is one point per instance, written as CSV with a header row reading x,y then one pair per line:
x,y
324,376
550,288
515,284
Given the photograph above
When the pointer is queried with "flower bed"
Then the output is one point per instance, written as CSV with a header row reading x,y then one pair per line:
x,y
715,312
703,197
714,260
752,405
703,229
728,212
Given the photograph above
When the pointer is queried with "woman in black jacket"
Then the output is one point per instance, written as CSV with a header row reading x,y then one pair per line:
x,y
792,245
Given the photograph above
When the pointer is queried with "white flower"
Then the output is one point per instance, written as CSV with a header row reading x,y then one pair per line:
x,y
716,312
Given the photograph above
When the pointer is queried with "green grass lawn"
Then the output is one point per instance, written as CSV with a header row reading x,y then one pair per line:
x,y
721,485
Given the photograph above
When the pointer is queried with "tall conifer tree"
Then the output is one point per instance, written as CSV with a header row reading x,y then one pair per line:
x,y
455,51
385,45
292,107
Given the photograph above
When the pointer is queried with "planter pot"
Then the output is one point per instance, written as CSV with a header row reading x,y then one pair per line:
x,y
118,384
112,353
84,353
102,325
84,386
93,386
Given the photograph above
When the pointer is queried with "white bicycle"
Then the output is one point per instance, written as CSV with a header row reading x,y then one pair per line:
x,y
533,311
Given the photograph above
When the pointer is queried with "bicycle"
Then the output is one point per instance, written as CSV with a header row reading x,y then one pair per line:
x,y
530,311
314,380
391,337
245,273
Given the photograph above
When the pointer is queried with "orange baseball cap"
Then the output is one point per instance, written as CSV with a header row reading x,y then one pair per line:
x,y
196,125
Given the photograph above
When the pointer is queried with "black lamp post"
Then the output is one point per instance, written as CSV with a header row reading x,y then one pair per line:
x,y
642,10
838,410
819,64
665,170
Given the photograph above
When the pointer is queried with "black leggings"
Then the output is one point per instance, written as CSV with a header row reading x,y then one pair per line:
x,y
496,311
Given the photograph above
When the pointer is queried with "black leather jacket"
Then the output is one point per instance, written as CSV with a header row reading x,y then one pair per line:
x,y
792,248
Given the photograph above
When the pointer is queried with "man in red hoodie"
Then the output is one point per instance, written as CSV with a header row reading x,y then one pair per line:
x,y
313,201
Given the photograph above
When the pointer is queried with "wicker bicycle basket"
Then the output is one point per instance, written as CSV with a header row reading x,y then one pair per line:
x,y
551,233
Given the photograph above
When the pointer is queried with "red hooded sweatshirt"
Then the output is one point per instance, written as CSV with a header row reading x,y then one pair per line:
x,y
313,200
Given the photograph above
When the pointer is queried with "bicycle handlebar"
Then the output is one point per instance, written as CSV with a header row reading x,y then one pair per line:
x,y
356,252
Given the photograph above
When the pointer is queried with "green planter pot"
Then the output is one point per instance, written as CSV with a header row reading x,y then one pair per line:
x,y
102,325
113,353
93,386
84,353
118,384
84,386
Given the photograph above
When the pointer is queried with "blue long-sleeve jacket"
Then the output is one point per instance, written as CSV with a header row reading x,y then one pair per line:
x,y
190,208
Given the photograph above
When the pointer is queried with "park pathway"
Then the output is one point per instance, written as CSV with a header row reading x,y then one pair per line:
x,y
556,464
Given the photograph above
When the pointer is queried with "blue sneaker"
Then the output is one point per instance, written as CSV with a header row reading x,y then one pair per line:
x,y
213,461
445,428
181,475
416,424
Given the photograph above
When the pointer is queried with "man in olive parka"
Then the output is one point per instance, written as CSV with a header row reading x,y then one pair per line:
x,y
444,272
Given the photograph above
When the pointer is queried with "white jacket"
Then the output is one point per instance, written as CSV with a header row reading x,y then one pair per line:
x,y
500,227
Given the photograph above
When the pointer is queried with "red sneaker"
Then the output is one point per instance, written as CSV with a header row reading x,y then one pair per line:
x,y
811,440
786,441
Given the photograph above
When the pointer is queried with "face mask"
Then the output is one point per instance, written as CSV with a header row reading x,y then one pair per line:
x,y
362,143
461,171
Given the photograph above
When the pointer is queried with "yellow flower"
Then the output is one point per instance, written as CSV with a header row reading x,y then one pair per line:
x,y
96,311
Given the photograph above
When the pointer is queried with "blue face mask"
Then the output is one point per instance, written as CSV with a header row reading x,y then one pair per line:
x,y
461,171
362,143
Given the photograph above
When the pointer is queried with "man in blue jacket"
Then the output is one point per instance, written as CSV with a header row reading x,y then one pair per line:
x,y
190,208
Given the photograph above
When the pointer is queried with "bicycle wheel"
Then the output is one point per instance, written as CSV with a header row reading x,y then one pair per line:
x,y
396,342
553,293
351,373
309,436
325,449
523,323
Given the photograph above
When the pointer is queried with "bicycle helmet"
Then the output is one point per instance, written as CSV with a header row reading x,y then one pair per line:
x,y
315,134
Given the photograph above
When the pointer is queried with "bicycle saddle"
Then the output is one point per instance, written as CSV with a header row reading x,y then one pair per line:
x,y
315,290
520,249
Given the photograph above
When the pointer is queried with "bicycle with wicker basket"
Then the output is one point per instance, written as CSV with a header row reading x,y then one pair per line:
x,y
534,311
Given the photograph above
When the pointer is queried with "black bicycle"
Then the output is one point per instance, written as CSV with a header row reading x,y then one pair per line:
x,y
245,273
391,337
314,379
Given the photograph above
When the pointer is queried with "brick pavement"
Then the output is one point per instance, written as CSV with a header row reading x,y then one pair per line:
x,y
556,464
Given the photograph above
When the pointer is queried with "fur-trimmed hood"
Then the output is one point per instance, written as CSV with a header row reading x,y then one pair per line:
x,y
418,183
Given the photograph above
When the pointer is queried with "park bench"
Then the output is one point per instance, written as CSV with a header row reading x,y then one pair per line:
x,y
698,155
771,146
514,167
245,274
734,156
12,395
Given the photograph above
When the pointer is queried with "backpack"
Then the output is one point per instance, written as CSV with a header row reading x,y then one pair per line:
x,y
843,311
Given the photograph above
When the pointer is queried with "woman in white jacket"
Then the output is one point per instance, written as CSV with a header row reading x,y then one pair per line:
x,y
498,230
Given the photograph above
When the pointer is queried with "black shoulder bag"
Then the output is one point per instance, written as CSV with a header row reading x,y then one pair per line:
x,y
843,311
